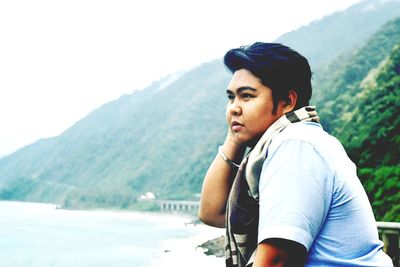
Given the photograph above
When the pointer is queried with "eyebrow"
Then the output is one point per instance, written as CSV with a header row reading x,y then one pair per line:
x,y
241,89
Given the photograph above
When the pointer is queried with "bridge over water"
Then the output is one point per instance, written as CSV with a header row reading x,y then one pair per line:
x,y
180,206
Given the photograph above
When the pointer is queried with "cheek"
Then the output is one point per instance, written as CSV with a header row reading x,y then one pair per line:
x,y
259,126
261,121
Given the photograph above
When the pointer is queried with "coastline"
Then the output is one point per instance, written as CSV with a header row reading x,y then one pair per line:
x,y
207,247
175,239
214,247
192,251
184,217
211,245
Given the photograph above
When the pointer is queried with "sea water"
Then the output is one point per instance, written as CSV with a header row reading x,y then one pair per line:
x,y
33,234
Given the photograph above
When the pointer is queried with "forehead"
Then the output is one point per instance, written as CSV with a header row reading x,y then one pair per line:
x,y
244,78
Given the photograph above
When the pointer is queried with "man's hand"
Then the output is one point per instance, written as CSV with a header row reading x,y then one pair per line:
x,y
218,182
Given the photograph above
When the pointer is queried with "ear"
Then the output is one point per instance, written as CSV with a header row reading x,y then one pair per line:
x,y
290,102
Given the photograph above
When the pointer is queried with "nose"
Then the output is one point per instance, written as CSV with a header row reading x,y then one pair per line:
x,y
234,109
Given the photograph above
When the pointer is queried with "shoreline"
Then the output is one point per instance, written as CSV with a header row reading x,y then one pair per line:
x,y
206,239
115,210
210,246
190,251
214,247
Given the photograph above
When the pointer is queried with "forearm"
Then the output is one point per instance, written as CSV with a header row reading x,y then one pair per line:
x,y
217,184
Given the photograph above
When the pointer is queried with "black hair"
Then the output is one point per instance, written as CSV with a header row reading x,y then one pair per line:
x,y
277,66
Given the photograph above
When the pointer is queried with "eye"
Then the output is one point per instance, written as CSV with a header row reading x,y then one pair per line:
x,y
247,96
230,97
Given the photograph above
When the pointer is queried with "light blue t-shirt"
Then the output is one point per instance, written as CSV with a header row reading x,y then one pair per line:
x,y
310,193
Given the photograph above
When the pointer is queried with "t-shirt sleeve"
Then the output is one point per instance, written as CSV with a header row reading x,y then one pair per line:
x,y
295,192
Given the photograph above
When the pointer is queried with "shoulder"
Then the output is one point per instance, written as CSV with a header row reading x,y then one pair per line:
x,y
307,132
308,135
305,145
304,149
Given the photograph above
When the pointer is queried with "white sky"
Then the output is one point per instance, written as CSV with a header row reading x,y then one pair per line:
x,y
59,60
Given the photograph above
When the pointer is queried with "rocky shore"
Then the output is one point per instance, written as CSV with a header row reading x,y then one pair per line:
x,y
214,247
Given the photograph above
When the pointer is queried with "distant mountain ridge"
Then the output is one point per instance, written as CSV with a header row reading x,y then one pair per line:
x,y
97,161
163,138
342,77
323,40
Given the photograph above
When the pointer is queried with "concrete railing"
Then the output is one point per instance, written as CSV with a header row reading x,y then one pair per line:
x,y
389,233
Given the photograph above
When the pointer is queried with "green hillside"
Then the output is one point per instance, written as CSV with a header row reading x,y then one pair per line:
x,y
358,96
153,140
338,82
163,138
371,135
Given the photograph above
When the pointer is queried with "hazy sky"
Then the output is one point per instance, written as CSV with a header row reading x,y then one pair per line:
x,y
59,60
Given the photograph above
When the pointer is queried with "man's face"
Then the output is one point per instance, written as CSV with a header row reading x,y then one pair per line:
x,y
249,109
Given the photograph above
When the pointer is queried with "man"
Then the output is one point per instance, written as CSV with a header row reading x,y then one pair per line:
x,y
295,199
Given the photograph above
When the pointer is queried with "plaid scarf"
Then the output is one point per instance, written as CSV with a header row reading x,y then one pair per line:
x,y
242,206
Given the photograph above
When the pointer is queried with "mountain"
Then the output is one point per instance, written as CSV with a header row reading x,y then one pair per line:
x,y
138,143
340,80
370,118
370,131
163,138
323,40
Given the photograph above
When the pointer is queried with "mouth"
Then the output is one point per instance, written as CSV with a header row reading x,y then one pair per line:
x,y
236,126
